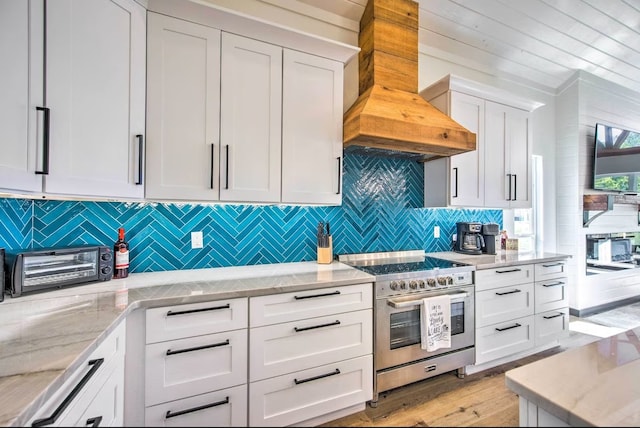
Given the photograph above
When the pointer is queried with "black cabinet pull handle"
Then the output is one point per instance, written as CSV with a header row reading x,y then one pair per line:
x,y
337,322
509,328
334,293
548,317
195,409
95,365
94,422
515,187
555,264
456,182
213,148
298,382
140,155
191,311
509,177
197,348
508,271
226,168
508,292
339,174
45,140
554,284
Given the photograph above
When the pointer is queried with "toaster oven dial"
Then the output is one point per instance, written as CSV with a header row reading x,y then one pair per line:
x,y
106,270
106,256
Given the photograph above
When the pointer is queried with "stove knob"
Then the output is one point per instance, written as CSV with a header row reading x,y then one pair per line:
x,y
421,283
413,284
431,282
393,285
450,280
403,285
442,280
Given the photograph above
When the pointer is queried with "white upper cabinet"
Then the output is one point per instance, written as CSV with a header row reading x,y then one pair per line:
x,y
498,173
85,136
508,156
183,110
21,87
234,118
250,120
312,129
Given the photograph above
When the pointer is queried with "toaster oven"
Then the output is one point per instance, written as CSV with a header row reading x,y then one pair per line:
x,y
28,271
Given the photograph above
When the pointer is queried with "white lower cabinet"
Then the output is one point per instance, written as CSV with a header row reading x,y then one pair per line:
x,y
296,397
93,394
227,407
520,308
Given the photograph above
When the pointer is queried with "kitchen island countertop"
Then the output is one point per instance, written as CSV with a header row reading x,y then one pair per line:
x,y
593,385
47,336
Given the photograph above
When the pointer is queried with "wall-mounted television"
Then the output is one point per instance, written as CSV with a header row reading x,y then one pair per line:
x,y
616,164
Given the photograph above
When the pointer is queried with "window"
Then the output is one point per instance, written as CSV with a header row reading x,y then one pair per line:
x,y
527,222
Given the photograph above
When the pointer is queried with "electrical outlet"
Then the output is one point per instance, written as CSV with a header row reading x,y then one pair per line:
x,y
436,231
196,240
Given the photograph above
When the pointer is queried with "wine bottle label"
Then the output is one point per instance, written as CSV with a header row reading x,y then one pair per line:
x,y
122,259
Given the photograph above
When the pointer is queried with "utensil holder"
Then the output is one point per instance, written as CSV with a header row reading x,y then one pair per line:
x,y
325,254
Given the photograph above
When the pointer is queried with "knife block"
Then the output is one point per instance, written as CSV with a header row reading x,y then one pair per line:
x,y
325,254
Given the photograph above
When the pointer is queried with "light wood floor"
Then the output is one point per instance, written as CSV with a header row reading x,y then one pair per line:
x,y
478,400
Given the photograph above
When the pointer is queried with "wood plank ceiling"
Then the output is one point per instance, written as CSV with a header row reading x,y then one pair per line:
x,y
537,42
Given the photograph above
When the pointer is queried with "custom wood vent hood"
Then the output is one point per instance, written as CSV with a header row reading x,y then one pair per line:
x,y
390,117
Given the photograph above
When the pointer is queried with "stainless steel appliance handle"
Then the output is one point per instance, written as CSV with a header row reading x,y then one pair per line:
x,y
394,303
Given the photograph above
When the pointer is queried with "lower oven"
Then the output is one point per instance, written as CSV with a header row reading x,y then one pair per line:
x,y
399,358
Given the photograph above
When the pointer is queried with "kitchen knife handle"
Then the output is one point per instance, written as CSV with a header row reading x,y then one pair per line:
x,y
226,168
339,174
456,182
213,148
509,177
140,155
45,140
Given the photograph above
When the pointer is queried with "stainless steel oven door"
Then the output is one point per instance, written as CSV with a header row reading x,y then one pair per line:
x,y
397,323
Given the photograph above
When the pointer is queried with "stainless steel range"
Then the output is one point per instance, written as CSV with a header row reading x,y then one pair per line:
x,y
403,280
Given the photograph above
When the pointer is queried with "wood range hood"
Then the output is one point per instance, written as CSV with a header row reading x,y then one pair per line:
x,y
389,115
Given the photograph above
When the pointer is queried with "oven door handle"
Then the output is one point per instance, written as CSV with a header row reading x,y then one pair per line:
x,y
397,304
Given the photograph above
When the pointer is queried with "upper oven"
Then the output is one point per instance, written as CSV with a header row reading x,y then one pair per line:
x,y
398,332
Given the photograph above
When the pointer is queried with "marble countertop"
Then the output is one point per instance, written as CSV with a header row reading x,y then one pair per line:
x,y
502,258
593,385
45,337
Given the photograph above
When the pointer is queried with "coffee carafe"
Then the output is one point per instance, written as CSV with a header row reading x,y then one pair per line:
x,y
469,240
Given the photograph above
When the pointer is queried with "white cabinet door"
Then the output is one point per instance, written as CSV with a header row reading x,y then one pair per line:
x,y
467,169
508,157
22,91
95,88
311,129
250,120
183,110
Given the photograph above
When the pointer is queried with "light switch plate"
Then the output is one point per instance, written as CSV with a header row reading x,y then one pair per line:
x,y
436,231
196,240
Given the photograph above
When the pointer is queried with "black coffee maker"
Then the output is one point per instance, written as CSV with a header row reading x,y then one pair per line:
x,y
489,233
469,239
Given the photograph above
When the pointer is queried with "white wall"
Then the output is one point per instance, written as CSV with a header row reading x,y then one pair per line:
x,y
583,101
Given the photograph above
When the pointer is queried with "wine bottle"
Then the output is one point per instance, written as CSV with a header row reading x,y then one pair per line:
x,y
121,256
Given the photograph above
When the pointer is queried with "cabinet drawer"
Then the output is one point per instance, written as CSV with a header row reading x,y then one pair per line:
x,y
195,365
487,279
551,294
504,304
282,348
296,397
180,321
503,339
224,408
551,325
550,270
97,368
285,307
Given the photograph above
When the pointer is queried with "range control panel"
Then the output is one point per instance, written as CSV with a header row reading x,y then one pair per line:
x,y
423,282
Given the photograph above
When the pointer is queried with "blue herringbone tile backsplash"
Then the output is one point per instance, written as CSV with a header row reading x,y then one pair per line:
x,y
381,211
